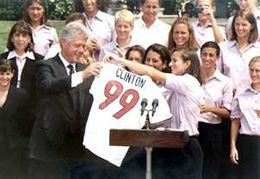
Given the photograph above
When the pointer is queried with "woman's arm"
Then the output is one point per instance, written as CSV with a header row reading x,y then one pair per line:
x,y
220,111
138,68
235,124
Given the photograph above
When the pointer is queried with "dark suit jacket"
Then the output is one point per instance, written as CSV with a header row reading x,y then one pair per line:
x,y
62,112
12,115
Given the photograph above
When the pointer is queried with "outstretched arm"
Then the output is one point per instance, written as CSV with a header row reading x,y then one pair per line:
x,y
138,68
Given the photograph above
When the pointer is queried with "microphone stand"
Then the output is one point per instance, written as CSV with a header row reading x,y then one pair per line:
x,y
148,150
148,127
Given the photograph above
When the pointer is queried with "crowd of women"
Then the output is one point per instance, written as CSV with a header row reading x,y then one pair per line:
x,y
209,75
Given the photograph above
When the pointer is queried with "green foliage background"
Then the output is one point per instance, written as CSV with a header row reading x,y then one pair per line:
x,y
12,10
57,9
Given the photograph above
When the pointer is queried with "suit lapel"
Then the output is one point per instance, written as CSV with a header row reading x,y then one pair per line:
x,y
66,99
15,77
73,101
59,65
11,97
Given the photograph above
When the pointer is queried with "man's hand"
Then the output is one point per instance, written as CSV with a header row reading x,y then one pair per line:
x,y
92,69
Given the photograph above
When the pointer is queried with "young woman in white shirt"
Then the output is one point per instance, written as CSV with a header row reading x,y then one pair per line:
x,y
245,126
186,97
240,49
215,112
44,36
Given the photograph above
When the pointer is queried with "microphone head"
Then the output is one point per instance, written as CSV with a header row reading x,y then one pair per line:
x,y
143,105
144,102
155,102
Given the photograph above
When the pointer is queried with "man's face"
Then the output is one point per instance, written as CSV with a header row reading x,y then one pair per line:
x,y
73,50
150,9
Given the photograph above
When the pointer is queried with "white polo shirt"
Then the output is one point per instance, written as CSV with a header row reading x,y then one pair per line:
x,y
158,32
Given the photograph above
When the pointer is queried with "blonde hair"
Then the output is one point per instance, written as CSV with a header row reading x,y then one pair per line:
x,y
254,60
192,42
125,15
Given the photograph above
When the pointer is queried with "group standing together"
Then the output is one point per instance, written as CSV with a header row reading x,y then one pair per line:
x,y
209,75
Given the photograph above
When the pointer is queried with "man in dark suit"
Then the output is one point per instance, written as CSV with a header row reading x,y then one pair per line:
x,y
64,102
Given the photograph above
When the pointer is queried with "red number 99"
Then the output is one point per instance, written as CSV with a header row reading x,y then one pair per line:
x,y
128,99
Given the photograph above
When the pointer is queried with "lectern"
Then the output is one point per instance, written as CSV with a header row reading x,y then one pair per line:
x,y
149,138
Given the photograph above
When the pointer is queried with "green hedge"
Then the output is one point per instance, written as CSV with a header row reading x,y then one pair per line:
x,y
13,9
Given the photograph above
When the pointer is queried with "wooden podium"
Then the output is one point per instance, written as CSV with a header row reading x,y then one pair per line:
x,y
148,138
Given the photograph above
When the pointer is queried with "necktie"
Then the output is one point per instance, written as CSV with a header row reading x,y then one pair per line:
x,y
71,69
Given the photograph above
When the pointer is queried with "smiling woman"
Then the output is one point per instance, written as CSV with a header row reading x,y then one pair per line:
x,y
242,46
218,97
11,99
124,23
245,125
181,35
21,55
6,74
183,85
99,24
44,36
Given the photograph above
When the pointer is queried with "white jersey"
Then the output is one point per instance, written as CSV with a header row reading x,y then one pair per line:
x,y
118,94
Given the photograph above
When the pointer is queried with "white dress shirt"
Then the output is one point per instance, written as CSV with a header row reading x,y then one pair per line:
x,y
44,38
243,108
234,63
184,101
20,62
219,93
76,78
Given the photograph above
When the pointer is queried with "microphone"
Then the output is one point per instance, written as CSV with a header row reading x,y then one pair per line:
x,y
155,104
143,105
